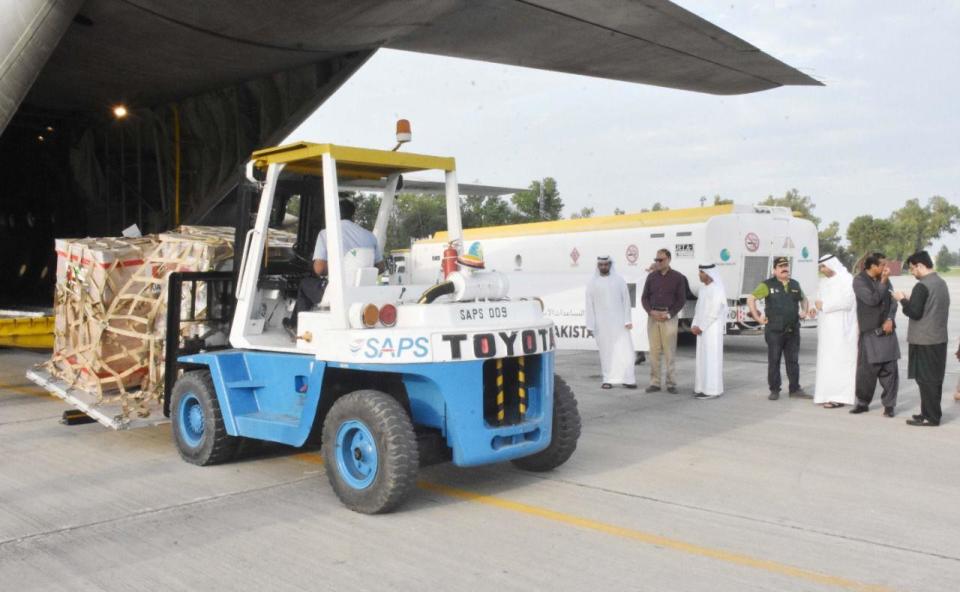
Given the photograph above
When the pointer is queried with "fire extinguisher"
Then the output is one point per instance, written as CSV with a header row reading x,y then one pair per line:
x,y
449,262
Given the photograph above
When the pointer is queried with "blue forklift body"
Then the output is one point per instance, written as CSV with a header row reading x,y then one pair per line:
x,y
275,397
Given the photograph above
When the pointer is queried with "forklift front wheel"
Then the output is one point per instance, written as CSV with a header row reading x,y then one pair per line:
x,y
370,451
198,428
566,432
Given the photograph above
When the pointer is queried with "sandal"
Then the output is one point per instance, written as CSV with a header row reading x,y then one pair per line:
x,y
606,386
832,405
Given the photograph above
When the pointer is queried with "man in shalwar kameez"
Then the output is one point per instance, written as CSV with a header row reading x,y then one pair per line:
x,y
928,308
607,314
837,336
709,324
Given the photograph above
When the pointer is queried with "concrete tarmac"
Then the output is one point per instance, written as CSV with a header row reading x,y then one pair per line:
x,y
664,493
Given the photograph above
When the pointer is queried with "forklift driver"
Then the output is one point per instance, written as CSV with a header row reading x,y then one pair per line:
x,y
311,288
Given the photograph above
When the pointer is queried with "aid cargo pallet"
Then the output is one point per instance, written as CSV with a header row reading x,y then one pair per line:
x,y
108,414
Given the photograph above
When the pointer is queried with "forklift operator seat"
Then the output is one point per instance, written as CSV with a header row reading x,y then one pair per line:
x,y
358,269
358,265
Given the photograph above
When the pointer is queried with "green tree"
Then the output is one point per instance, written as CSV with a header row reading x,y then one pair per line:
x,y
944,259
830,241
719,201
867,234
918,226
909,223
368,206
584,212
656,207
799,204
293,205
528,206
618,212
415,216
490,210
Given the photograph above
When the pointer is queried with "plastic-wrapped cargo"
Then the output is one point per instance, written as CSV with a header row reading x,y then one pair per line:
x,y
111,311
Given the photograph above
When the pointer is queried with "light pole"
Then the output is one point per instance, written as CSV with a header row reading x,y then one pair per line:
x,y
540,203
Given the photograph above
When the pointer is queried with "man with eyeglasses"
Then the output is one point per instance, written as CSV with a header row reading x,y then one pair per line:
x,y
785,305
664,294
928,308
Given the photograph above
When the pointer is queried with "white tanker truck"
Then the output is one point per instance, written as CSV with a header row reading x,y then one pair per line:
x,y
555,260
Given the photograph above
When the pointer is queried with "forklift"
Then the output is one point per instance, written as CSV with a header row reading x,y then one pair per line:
x,y
385,377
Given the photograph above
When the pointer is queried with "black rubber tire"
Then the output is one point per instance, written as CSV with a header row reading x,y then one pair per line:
x,y
566,432
216,445
398,459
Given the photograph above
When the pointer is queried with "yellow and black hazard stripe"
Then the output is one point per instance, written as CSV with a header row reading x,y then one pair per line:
x,y
522,386
501,408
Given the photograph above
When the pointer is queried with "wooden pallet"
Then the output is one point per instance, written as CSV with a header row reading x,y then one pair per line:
x,y
109,414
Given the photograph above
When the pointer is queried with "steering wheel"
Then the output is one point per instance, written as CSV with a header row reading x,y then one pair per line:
x,y
304,261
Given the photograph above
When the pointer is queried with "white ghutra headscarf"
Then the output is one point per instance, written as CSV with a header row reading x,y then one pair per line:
x,y
835,265
713,271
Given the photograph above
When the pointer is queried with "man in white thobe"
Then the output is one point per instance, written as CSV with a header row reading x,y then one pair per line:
x,y
607,314
709,324
837,336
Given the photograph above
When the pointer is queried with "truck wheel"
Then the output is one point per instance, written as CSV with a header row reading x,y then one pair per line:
x,y
566,432
370,451
198,426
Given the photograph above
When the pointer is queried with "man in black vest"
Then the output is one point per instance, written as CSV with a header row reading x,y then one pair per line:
x,y
928,308
785,305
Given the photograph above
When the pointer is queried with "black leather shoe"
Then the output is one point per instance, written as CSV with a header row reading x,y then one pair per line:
x,y
630,386
923,422
653,389
800,394
774,395
888,411
672,390
859,409
918,417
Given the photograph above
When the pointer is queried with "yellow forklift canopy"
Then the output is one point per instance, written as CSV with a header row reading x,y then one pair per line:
x,y
357,163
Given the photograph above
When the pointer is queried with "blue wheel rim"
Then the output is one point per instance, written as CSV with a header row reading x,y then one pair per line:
x,y
356,454
190,420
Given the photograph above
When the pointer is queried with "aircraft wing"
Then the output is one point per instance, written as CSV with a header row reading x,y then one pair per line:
x,y
209,81
150,51
651,42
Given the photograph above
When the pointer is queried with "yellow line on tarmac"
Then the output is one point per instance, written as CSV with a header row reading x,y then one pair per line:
x,y
309,457
654,539
25,389
637,535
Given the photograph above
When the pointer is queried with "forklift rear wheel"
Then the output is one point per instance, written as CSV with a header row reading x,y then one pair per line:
x,y
370,451
566,432
198,426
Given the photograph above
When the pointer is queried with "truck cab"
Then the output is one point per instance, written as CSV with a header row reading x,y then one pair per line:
x,y
384,376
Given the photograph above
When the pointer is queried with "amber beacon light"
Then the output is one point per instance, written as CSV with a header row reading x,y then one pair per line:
x,y
404,134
